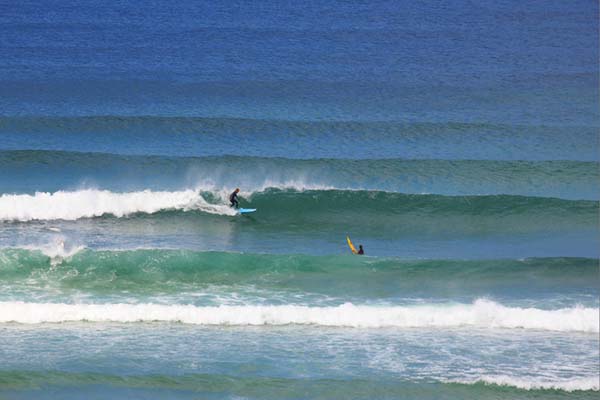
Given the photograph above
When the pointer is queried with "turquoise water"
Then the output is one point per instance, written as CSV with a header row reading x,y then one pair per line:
x,y
457,142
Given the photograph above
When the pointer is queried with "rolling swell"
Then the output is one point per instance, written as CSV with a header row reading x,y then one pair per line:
x,y
54,170
194,136
192,124
335,201
383,214
142,272
270,387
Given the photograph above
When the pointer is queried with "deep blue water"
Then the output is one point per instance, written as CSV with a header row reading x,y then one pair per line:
x,y
457,141
492,61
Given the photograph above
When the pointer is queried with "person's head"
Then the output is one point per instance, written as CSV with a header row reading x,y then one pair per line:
x,y
237,190
360,246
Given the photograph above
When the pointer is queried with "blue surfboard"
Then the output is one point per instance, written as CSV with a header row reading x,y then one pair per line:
x,y
246,210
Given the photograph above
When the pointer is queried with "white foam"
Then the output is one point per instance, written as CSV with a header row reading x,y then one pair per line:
x,y
480,314
88,203
58,249
570,385
94,203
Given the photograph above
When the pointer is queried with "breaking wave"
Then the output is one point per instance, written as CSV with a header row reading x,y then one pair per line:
x,y
95,203
571,385
480,314
295,201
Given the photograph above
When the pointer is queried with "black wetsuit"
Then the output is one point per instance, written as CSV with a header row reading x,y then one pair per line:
x,y
360,251
233,200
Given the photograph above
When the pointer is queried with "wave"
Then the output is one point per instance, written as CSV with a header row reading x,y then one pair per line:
x,y
570,385
336,201
44,170
282,387
480,314
281,206
64,267
347,139
95,203
191,124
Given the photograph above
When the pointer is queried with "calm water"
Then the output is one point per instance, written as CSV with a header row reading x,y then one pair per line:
x,y
457,142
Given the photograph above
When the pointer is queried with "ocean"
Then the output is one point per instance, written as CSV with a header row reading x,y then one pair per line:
x,y
457,142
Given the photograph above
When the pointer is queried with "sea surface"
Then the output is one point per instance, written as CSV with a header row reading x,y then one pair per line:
x,y
456,141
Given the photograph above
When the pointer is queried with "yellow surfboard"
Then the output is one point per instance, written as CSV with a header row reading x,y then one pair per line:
x,y
351,245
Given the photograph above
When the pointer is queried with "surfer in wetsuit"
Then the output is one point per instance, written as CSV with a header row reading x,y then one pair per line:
x,y
360,250
233,198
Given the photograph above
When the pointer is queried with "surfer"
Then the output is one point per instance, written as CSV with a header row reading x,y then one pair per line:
x,y
233,198
360,250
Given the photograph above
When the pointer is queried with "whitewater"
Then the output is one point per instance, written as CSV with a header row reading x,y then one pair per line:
x,y
94,203
481,314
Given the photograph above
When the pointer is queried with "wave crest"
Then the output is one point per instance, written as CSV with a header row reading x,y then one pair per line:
x,y
480,314
90,203
571,385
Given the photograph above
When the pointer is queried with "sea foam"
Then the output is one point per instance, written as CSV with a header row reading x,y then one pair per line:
x,y
480,314
525,383
94,203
